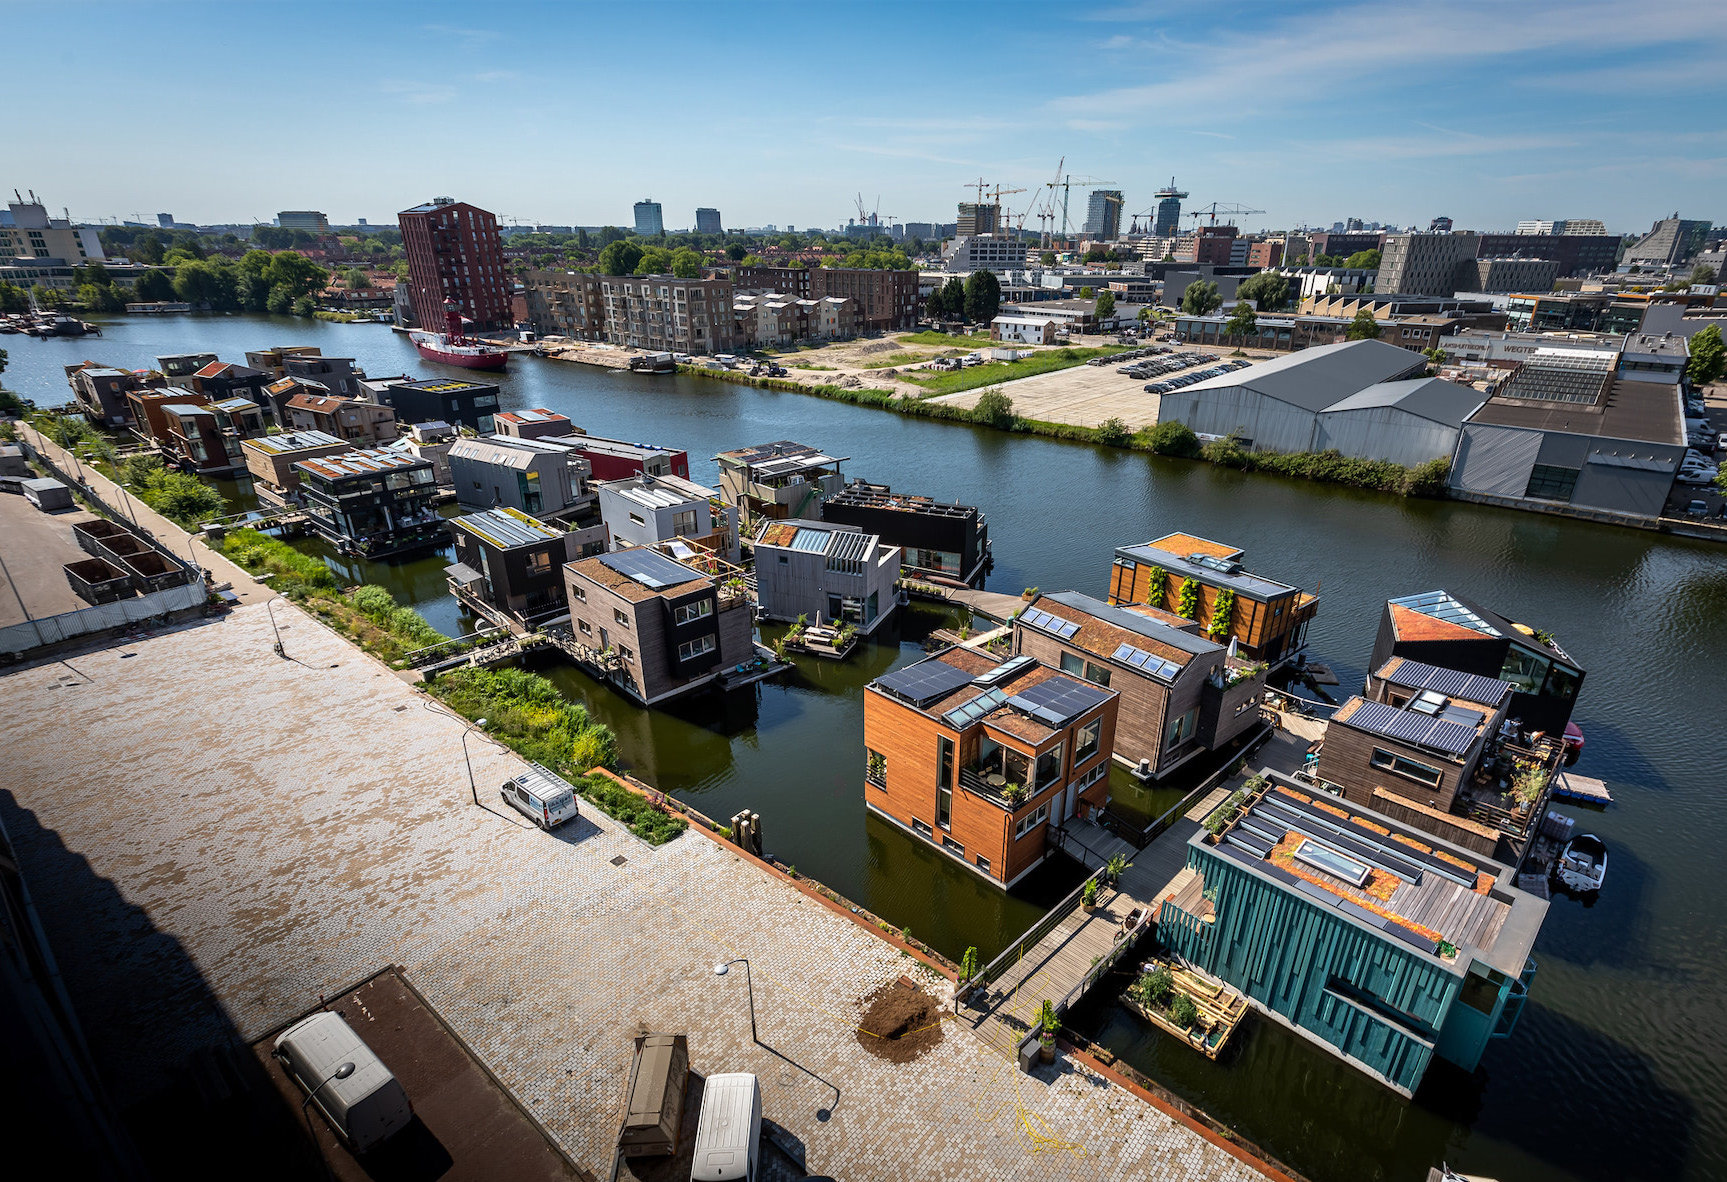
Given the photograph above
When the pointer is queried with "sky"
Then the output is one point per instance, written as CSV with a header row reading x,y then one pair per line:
x,y
786,113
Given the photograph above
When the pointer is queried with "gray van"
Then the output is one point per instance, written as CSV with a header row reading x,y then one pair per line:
x,y
541,796
358,1095
654,1112
729,1133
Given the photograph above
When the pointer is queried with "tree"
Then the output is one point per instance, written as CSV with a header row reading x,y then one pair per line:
x,y
1105,305
993,407
1047,258
736,251
1363,328
1085,293
1113,431
1201,298
655,260
1363,260
154,285
686,263
357,279
953,297
1243,322
1703,273
1708,357
982,296
1268,290
619,257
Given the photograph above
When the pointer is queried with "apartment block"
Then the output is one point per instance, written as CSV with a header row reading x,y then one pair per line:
x,y
456,256
271,459
837,574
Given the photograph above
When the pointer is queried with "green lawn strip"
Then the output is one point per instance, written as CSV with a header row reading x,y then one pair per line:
x,y
955,381
944,338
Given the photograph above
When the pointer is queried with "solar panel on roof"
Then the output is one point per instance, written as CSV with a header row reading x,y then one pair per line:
x,y
923,682
1057,700
1434,733
649,568
1452,683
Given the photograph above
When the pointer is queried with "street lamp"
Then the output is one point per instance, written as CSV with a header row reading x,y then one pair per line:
x,y
720,970
466,758
271,608
342,1072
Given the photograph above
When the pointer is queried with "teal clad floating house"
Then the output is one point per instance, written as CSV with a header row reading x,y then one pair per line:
x,y
1383,943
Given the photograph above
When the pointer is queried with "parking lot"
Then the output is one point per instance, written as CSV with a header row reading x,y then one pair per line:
x,y
1087,395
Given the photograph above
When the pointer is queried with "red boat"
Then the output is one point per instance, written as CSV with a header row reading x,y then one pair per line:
x,y
453,347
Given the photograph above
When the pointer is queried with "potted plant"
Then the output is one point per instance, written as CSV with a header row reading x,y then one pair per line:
x,y
1014,794
1088,894
877,766
1047,1024
1113,868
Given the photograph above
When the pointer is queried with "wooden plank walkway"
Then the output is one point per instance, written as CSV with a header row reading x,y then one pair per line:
x,y
1587,789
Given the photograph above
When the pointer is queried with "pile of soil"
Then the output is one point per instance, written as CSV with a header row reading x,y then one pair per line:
x,y
900,1022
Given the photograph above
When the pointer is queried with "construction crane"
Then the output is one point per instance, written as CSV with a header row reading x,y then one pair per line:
x,y
1066,184
1216,207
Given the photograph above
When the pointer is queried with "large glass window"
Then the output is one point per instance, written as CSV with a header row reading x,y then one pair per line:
x,y
1525,669
1550,483
1049,767
1072,664
1181,729
689,613
1409,769
1096,674
1086,744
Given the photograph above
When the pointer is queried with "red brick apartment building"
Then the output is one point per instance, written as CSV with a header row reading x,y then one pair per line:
x,y
982,757
454,253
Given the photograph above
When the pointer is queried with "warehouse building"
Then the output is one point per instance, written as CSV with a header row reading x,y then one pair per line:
x,y
1366,399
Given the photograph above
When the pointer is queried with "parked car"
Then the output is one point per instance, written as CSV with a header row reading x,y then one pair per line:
x,y
1697,509
1698,475
541,797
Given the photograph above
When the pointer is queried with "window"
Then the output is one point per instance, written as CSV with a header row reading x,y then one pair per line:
x,y
982,862
684,523
624,654
1072,664
944,782
1409,769
637,519
1031,821
691,649
1096,674
1550,483
580,592
950,844
1181,729
1049,766
620,617
539,564
586,628
784,560
922,827
1085,745
689,613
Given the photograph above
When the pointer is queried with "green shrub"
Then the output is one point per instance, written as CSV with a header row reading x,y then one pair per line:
x,y
1169,439
652,825
1431,479
1183,1012
1113,432
295,573
1154,988
529,714
373,601
994,409
1187,601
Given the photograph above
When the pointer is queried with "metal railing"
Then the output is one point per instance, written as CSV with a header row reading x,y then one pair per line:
x,y
1012,954
1123,942
1187,802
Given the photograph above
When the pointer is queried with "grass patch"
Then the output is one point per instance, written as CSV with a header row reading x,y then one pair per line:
x,y
993,373
527,712
652,825
946,338
811,365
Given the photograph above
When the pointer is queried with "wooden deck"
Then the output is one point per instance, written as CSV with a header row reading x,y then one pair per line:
x,y
1586,789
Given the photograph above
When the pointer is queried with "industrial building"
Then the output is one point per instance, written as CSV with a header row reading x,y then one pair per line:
x,y
1329,397
650,221
1580,425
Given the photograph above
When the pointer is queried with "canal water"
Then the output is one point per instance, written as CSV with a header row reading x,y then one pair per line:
x,y
1619,1067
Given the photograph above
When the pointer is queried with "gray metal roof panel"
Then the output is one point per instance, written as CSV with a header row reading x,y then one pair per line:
x,y
1314,379
1152,629
1428,398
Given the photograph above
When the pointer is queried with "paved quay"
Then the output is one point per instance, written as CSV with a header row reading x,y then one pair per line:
x,y
215,836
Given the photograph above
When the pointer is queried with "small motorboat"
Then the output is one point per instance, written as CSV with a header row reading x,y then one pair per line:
x,y
1582,864
1573,743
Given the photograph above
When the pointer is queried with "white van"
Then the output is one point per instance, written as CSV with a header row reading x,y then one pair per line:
x,y
357,1094
542,797
729,1130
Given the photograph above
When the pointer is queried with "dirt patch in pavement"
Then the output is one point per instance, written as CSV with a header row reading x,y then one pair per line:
x,y
900,1022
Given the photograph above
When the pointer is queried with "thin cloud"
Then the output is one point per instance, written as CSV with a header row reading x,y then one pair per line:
x,y
420,94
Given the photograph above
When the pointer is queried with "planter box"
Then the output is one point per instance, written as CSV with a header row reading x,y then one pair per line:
x,y
91,534
154,573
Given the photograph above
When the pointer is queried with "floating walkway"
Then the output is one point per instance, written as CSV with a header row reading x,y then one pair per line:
x,y
1583,789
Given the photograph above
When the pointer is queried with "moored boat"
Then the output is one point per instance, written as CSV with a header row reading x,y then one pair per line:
x,y
1582,864
452,347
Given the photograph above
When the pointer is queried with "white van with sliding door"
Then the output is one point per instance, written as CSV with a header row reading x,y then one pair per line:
x,y
729,1130
541,796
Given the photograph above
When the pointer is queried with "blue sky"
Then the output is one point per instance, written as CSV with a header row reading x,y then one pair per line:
x,y
783,113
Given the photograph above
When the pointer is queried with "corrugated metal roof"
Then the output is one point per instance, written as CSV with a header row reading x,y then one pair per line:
x,y
485,451
1429,398
507,528
360,463
289,441
1316,378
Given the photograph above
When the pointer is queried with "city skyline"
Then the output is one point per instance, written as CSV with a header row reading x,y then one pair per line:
x,y
1311,112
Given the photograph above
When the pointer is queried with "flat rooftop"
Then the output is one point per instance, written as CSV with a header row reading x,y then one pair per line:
x,y
639,574
1207,568
1021,696
1407,885
360,463
292,441
37,546
870,497
1641,412
776,459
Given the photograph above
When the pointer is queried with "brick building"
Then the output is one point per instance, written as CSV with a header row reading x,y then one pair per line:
x,y
455,253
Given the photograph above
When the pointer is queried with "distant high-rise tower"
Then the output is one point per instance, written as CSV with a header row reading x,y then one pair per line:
x,y
165,221
649,222
1103,215
1442,225
312,220
455,254
975,219
1169,210
708,221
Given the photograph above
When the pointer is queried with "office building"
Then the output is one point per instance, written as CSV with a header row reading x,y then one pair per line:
x,y
1671,241
708,221
649,221
310,220
455,256
967,253
1103,215
27,232
1168,223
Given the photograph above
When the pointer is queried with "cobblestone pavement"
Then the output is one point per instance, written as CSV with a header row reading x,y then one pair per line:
x,y
266,830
